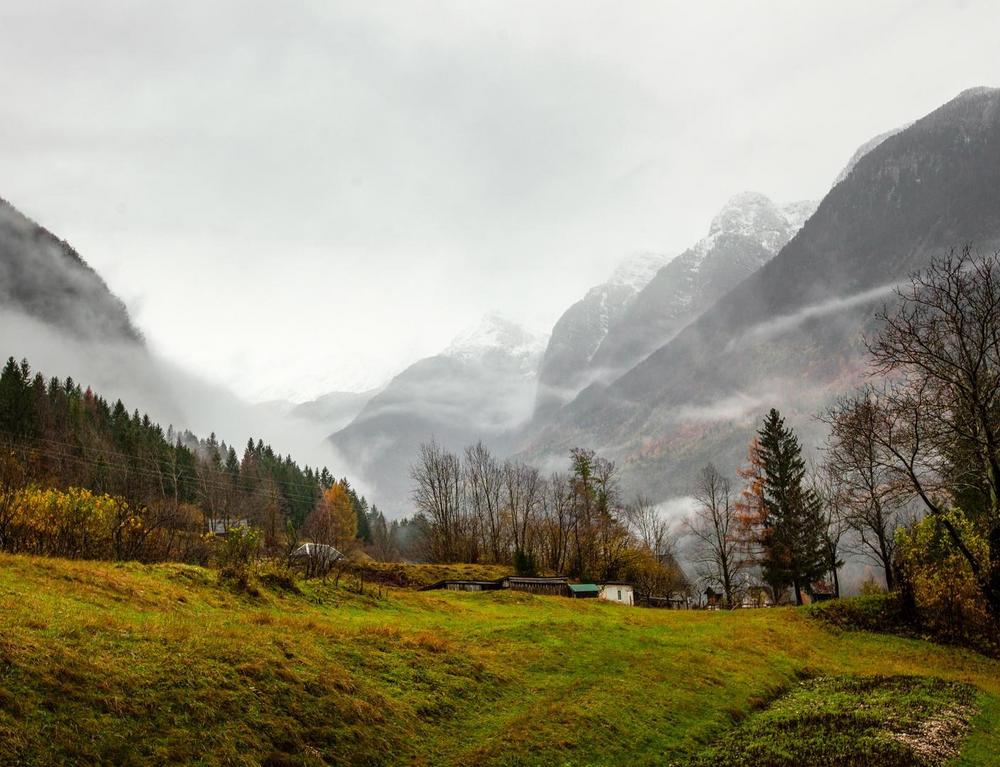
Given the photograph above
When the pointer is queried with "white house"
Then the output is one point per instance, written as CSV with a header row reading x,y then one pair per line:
x,y
619,592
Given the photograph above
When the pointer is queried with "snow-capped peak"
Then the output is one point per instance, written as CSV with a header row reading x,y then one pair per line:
x,y
495,332
637,270
750,214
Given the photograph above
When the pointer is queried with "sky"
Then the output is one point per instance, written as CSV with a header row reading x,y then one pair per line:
x,y
300,197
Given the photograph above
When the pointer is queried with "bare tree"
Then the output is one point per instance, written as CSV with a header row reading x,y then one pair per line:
x,y
824,487
438,494
484,492
13,479
522,494
649,527
383,547
938,420
719,552
556,522
868,488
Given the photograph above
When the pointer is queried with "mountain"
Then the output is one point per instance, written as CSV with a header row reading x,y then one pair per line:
x,y
791,334
565,367
742,237
56,311
44,278
334,410
480,387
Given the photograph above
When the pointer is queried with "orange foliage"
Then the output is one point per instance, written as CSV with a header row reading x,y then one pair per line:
x,y
333,521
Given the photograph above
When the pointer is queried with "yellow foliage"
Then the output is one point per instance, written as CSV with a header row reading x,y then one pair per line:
x,y
944,586
333,521
73,522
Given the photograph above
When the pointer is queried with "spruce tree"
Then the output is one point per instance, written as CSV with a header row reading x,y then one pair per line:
x,y
790,527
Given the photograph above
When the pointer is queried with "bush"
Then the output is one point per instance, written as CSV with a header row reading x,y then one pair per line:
x,y
879,612
943,588
938,596
278,575
238,555
71,523
871,587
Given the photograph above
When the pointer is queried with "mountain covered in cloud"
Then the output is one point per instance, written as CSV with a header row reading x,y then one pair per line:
x,y
742,237
480,387
651,297
577,334
58,313
333,410
45,279
791,333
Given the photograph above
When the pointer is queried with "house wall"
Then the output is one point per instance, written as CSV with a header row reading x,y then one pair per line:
x,y
620,594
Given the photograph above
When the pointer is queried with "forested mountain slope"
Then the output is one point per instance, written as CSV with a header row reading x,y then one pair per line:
x,y
44,278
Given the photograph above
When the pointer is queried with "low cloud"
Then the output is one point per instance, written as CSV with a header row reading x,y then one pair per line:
x,y
169,394
775,327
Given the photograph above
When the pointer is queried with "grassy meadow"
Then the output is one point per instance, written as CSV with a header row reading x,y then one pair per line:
x,y
131,664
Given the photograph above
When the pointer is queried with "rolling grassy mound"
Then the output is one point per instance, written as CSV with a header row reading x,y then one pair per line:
x,y
130,664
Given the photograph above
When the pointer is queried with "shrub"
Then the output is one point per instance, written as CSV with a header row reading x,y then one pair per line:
x,y
237,556
72,523
880,612
948,601
870,587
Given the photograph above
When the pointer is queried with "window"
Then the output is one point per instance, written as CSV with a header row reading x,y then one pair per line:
x,y
619,595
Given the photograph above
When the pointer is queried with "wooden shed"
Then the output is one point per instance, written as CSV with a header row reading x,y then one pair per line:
x,y
556,587
584,590
456,585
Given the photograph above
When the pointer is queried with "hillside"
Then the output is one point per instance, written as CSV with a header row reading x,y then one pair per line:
x,y
793,331
44,278
131,664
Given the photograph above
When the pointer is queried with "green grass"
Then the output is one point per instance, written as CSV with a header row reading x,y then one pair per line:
x,y
130,664
899,721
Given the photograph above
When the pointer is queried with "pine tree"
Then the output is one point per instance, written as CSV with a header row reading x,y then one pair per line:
x,y
789,526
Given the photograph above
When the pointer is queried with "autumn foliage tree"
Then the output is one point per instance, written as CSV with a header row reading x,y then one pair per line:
x,y
333,521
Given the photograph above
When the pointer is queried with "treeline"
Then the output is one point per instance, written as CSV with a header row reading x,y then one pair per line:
x,y
176,488
474,507
910,474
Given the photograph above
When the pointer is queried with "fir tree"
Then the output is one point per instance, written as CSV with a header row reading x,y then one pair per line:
x,y
789,530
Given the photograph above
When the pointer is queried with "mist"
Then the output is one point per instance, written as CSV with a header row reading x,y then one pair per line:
x,y
170,395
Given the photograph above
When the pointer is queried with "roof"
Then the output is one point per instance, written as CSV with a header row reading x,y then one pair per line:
x,y
317,551
584,588
444,584
616,583
527,579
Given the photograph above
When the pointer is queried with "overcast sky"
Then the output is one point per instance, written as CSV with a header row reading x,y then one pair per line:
x,y
298,197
